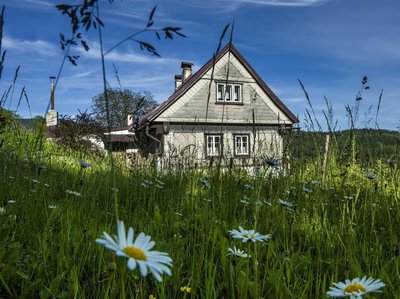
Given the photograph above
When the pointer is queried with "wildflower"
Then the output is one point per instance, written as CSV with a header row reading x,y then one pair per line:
x,y
186,289
138,252
205,182
244,201
249,186
2,210
179,214
238,252
371,176
74,193
355,288
35,181
11,201
46,185
286,204
306,190
259,203
52,206
85,164
114,190
206,199
249,235
11,177
160,182
272,162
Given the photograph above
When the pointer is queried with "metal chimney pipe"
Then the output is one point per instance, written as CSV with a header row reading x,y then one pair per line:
x,y
52,80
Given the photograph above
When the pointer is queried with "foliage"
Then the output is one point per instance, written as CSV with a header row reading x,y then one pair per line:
x,y
7,118
85,15
76,133
122,102
370,145
323,231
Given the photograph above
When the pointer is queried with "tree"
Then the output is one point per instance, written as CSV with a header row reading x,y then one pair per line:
x,y
122,102
78,132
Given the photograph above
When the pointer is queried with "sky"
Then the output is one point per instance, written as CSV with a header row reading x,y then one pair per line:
x,y
330,45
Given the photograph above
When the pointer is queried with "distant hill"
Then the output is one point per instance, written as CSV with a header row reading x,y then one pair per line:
x,y
370,144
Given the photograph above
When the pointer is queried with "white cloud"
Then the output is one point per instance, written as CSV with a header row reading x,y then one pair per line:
x,y
283,2
130,56
41,47
232,5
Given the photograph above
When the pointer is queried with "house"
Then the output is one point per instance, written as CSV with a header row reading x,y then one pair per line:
x,y
118,139
224,112
121,138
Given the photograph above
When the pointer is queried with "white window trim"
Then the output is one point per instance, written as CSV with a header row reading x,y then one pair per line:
x,y
213,152
241,147
224,96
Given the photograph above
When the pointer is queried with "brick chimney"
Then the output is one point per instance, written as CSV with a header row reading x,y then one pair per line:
x,y
186,69
178,81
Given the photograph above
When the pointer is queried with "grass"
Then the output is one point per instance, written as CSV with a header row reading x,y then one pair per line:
x,y
343,227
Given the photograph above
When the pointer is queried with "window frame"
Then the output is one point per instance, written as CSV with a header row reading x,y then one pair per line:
x,y
222,96
235,148
213,135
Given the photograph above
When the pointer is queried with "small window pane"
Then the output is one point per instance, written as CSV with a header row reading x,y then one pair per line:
x,y
236,94
220,92
228,92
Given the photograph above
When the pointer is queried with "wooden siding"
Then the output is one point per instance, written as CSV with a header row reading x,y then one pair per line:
x,y
193,104
188,141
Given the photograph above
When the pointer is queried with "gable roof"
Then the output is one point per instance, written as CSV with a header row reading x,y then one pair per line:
x,y
194,78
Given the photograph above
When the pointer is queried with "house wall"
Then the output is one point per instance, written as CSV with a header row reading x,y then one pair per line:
x,y
199,102
186,142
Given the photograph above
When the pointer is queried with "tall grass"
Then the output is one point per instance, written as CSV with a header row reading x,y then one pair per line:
x,y
343,227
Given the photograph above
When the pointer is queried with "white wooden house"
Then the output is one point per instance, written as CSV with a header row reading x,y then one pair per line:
x,y
224,110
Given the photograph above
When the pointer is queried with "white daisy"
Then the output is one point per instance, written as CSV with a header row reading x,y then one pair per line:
x,y
238,252
249,235
285,203
355,288
74,193
138,252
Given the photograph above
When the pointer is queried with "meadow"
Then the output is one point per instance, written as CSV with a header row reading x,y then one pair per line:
x,y
324,227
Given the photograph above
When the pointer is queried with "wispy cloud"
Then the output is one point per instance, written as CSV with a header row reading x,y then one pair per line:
x,y
32,4
229,5
130,56
41,47
282,2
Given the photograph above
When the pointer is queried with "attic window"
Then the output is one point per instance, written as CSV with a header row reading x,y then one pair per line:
x,y
229,93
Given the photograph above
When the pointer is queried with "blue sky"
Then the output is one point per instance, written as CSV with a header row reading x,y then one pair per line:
x,y
328,44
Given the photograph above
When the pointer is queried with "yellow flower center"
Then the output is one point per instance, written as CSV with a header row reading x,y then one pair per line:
x,y
252,236
245,235
135,253
354,287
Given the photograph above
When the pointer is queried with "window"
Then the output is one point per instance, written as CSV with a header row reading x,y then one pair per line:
x,y
229,93
213,145
241,145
